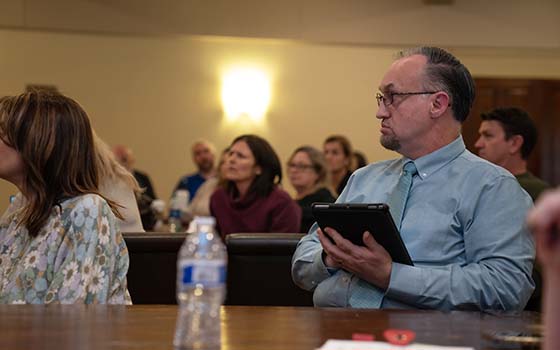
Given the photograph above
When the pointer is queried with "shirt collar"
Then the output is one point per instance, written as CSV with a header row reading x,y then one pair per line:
x,y
430,163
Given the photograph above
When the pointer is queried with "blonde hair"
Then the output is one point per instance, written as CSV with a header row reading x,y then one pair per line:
x,y
109,168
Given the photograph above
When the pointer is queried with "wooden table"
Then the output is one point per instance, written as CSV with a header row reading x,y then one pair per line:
x,y
244,328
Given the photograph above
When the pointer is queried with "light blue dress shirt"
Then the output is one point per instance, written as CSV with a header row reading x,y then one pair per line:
x,y
463,226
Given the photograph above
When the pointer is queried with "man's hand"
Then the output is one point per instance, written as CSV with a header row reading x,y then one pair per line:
x,y
544,221
371,263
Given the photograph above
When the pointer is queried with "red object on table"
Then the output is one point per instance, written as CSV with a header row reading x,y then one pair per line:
x,y
399,336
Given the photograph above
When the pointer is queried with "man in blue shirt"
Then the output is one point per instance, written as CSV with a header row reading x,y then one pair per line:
x,y
203,155
463,218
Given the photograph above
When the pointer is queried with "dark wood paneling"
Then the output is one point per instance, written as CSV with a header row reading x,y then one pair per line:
x,y
541,99
551,138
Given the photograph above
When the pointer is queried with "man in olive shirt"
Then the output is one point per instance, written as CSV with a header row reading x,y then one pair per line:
x,y
507,137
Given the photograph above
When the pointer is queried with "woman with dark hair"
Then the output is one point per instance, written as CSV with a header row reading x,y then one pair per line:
x,y
338,153
59,241
250,199
307,171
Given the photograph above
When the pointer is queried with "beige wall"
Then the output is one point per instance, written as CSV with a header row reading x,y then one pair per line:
x,y
157,94
466,23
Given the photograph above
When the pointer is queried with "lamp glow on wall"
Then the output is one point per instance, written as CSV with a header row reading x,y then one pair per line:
x,y
245,94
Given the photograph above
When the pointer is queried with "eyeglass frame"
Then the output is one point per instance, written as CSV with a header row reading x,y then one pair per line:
x,y
299,167
381,97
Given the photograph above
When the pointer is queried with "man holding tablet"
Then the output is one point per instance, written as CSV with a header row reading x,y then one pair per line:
x,y
461,218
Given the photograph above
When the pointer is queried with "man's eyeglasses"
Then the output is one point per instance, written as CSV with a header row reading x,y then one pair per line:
x,y
387,98
299,167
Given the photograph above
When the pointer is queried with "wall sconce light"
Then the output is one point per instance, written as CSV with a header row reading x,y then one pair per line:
x,y
245,93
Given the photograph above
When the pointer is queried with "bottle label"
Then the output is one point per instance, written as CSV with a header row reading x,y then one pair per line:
x,y
209,273
175,213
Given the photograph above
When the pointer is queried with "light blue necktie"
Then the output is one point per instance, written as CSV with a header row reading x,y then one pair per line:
x,y
365,295
397,200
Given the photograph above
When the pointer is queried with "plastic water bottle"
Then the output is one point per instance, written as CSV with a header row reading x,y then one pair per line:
x,y
179,204
201,289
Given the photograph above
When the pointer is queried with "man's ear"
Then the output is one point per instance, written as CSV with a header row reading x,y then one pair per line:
x,y
440,103
515,144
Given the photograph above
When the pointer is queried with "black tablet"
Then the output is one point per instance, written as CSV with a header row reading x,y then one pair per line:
x,y
351,220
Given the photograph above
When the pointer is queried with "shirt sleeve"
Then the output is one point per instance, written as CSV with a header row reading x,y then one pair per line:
x,y
92,261
308,267
499,259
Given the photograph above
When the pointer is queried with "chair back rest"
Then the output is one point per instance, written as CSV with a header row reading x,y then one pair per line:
x,y
259,270
152,273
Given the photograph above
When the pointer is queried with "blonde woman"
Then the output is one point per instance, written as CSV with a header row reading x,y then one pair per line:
x,y
118,184
308,174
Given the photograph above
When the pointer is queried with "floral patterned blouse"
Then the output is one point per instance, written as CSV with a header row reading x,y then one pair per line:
x,y
78,257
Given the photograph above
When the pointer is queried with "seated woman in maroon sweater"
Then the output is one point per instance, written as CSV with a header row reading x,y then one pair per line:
x,y
250,199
